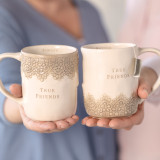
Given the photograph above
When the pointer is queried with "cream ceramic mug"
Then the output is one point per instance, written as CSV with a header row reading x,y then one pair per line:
x,y
49,81
110,78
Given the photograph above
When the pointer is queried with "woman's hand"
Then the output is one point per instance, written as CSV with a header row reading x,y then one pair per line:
x,y
42,126
147,79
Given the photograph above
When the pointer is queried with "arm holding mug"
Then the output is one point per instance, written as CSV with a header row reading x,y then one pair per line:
x,y
114,92
15,114
147,79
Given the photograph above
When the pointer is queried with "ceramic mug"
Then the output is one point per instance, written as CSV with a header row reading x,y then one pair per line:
x,y
111,73
49,81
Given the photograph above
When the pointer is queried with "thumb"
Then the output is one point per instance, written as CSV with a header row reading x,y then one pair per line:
x,y
16,90
144,90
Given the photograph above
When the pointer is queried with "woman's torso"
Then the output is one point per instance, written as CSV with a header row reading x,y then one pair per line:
x,y
78,142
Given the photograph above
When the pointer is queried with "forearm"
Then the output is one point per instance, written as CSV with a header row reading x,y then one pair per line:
x,y
11,111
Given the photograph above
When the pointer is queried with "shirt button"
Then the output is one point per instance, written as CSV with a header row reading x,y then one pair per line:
x,y
99,131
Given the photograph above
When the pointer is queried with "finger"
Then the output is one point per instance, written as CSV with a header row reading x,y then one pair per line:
x,y
144,88
138,117
75,117
103,122
53,131
91,122
16,90
128,122
61,124
143,92
37,126
120,123
71,121
85,120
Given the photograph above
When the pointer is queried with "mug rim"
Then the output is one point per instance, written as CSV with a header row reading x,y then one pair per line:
x,y
108,46
27,50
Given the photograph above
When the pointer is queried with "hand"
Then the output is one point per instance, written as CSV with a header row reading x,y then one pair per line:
x,y
42,126
147,79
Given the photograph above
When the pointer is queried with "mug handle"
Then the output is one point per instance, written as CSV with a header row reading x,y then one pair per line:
x,y
156,51
2,88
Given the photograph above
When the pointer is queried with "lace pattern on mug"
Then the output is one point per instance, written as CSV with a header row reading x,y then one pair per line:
x,y
56,65
108,107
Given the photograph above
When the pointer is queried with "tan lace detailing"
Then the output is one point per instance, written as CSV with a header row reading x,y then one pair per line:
x,y
57,65
107,107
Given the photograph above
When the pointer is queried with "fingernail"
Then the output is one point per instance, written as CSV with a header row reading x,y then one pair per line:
x,y
102,125
62,127
44,126
144,89
112,126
